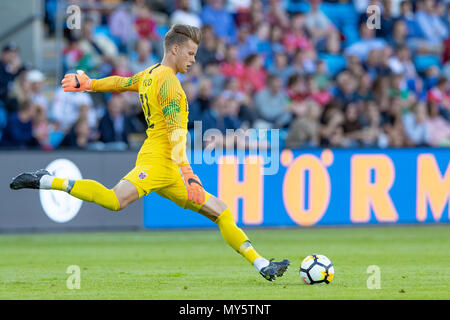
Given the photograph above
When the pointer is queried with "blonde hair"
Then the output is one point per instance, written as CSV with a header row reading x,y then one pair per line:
x,y
180,33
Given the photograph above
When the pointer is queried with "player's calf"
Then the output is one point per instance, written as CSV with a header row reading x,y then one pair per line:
x,y
86,190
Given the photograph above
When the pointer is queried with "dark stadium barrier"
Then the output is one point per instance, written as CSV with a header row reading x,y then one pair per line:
x,y
320,187
36,210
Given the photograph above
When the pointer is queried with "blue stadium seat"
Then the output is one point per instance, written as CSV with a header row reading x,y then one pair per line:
x,y
351,35
335,63
55,138
423,62
104,30
343,16
295,6
162,30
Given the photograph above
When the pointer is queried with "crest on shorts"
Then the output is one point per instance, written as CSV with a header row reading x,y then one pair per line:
x,y
142,175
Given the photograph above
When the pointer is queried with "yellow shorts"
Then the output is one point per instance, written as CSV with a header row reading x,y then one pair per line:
x,y
166,181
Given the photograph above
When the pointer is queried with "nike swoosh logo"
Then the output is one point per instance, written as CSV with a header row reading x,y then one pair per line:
x,y
78,82
191,180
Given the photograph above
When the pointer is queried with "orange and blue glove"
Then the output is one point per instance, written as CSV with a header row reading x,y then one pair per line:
x,y
194,187
76,82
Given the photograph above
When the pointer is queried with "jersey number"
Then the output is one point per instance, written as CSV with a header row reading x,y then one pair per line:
x,y
146,107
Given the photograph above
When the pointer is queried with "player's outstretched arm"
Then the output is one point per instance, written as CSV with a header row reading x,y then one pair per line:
x,y
81,82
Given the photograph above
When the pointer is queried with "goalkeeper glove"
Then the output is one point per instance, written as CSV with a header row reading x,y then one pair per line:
x,y
194,187
76,82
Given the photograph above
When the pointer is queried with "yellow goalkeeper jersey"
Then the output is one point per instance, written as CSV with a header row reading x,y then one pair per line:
x,y
165,108
166,111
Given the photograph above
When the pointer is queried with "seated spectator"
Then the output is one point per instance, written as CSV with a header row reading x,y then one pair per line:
x,y
122,67
10,67
78,136
318,89
398,87
246,43
36,81
221,115
231,66
144,57
296,88
352,126
392,124
372,134
331,131
206,52
72,54
401,63
398,36
446,14
296,38
440,94
120,24
364,91
376,65
115,125
183,15
66,108
42,128
438,128
354,66
231,90
272,104
415,125
276,15
280,67
304,61
304,131
318,25
144,25
19,92
212,72
346,88
386,21
263,45
332,56
215,14
368,42
98,49
433,29
253,78
19,128
276,41
407,15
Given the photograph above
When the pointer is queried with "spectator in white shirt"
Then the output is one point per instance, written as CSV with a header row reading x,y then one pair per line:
x,y
36,79
183,15
66,107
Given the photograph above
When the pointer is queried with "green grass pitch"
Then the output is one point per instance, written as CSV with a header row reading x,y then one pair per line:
x,y
414,263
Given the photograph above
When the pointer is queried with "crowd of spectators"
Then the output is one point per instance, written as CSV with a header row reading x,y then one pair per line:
x,y
316,70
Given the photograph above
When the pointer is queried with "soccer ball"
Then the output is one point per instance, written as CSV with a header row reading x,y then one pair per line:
x,y
316,268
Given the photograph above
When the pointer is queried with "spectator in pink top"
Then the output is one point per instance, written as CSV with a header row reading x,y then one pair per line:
x,y
440,95
231,66
296,38
438,128
253,79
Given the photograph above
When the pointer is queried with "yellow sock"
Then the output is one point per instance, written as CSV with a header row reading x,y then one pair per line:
x,y
235,237
59,184
88,190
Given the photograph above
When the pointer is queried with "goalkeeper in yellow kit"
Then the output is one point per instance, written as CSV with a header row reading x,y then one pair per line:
x,y
161,164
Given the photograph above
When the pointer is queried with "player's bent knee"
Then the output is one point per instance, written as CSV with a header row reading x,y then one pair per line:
x,y
213,208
